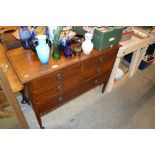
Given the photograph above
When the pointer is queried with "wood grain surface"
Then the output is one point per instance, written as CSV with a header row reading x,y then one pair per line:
x,y
11,74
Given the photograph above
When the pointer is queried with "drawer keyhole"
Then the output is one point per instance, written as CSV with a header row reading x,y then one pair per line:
x,y
98,70
100,59
60,99
59,76
96,81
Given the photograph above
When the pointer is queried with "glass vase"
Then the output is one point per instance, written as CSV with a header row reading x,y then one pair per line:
x,y
25,36
56,52
68,50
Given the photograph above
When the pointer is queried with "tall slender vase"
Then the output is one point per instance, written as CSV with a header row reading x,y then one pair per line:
x,y
56,52
43,50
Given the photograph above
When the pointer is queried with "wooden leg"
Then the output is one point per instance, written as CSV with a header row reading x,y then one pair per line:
x,y
38,116
141,56
11,98
24,98
133,63
6,113
40,122
104,86
112,76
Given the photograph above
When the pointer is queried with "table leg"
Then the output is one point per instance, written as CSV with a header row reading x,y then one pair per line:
x,y
39,120
142,53
24,98
104,86
133,64
112,75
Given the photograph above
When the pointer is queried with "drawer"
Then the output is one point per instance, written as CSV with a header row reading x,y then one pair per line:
x,y
56,101
48,92
57,76
100,64
59,87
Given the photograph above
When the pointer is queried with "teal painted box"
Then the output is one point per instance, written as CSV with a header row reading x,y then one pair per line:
x,y
79,30
105,39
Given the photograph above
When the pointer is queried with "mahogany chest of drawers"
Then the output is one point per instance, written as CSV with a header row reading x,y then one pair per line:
x,y
50,86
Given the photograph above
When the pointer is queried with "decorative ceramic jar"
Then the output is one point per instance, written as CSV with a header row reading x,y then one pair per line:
x,y
87,45
43,49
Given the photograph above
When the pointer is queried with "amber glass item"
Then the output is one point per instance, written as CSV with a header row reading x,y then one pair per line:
x,y
77,46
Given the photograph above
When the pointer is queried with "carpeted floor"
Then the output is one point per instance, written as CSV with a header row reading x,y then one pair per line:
x,y
131,104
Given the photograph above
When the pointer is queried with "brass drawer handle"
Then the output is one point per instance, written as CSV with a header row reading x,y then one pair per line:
x,y
96,81
60,99
59,76
59,87
100,59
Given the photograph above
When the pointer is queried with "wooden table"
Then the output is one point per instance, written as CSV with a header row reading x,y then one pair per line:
x,y
11,74
49,86
136,46
10,90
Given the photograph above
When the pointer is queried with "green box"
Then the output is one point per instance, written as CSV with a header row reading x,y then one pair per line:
x,y
79,30
105,39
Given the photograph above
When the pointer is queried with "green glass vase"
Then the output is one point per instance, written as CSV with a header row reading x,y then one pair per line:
x,y
56,52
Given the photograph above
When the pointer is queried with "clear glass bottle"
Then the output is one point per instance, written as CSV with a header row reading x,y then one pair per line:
x,y
25,36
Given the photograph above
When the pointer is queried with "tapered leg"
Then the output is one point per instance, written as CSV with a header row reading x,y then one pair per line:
x,y
141,56
133,64
112,75
104,86
36,110
40,122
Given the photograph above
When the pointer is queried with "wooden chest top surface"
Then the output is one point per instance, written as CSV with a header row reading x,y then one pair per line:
x,y
28,67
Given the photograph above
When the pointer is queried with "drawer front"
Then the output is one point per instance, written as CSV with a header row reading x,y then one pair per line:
x,y
57,76
48,92
54,102
57,88
100,64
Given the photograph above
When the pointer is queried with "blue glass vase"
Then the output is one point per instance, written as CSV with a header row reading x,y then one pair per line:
x,y
68,50
25,36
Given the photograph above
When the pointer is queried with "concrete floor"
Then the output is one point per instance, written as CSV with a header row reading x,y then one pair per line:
x,y
131,104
